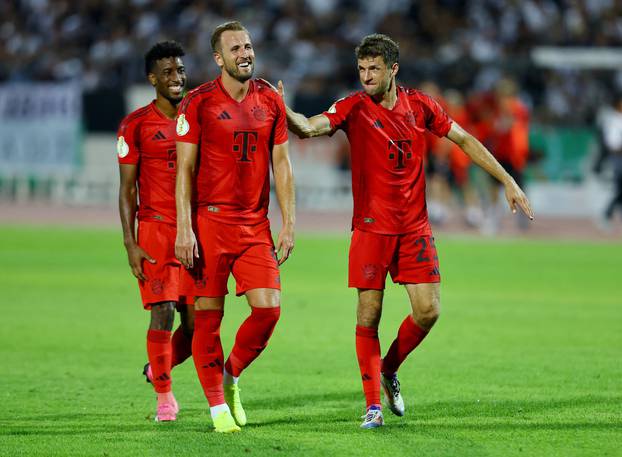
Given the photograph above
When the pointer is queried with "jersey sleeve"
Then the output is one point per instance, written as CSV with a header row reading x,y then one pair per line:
x,y
437,120
280,127
128,151
188,127
338,113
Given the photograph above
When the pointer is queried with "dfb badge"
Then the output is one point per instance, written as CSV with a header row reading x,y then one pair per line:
x,y
122,148
182,125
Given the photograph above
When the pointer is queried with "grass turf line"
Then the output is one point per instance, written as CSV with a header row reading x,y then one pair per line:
x,y
524,360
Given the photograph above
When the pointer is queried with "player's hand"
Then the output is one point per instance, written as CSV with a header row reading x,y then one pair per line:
x,y
285,244
516,197
279,90
135,256
186,248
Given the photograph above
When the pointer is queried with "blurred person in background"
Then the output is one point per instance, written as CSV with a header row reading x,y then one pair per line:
x,y
386,125
437,166
460,163
510,145
610,125
147,165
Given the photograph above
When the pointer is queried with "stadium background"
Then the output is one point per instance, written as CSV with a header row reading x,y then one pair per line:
x,y
531,328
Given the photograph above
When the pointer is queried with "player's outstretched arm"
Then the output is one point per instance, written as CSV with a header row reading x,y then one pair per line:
x,y
301,125
285,193
482,157
186,248
127,211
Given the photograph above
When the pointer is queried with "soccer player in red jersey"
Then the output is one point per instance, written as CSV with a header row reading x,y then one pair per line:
x,y
385,124
147,163
230,132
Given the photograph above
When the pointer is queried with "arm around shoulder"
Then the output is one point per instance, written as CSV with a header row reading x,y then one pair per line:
x,y
305,127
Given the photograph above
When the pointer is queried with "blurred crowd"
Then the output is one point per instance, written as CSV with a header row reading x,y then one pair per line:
x,y
464,45
500,120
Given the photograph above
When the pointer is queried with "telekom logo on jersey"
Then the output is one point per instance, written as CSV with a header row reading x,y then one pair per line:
x,y
403,150
246,142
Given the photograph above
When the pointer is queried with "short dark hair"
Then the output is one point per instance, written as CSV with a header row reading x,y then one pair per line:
x,y
235,26
378,45
162,50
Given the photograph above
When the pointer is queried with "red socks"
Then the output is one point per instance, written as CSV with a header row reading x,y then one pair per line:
x,y
368,354
207,354
159,353
182,347
408,338
252,338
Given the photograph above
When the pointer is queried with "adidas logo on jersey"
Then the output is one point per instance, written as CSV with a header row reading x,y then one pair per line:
x,y
378,124
224,115
158,136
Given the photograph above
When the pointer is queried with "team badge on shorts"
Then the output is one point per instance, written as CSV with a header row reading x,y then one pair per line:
x,y
182,125
157,286
370,271
122,148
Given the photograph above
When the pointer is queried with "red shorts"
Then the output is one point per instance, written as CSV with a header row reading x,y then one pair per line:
x,y
247,251
162,284
410,258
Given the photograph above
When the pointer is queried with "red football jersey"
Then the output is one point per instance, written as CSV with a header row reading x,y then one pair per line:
x,y
235,148
388,148
147,139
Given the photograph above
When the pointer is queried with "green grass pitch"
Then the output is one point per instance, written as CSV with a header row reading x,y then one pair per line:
x,y
526,359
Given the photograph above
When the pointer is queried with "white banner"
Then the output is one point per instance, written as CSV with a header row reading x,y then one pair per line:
x,y
40,129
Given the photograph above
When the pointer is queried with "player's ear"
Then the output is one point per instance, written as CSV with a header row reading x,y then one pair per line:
x,y
394,68
152,79
218,58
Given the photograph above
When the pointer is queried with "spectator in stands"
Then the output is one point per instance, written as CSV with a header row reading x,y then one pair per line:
x,y
610,124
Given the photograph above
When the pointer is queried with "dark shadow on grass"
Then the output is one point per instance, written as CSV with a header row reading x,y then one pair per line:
x,y
291,411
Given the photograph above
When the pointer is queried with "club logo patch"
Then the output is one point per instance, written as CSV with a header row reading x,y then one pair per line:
x,y
157,286
370,271
182,125
122,148
411,118
259,113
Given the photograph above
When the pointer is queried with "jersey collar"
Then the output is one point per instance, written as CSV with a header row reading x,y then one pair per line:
x,y
251,89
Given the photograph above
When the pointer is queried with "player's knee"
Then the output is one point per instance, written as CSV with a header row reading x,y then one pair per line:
x,y
162,316
368,314
427,314
264,298
209,303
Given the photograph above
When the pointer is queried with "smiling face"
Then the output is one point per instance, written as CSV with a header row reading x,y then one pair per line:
x,y
168,76
235,54
375,76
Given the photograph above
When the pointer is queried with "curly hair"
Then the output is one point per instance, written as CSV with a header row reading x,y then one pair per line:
x,y
162,50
